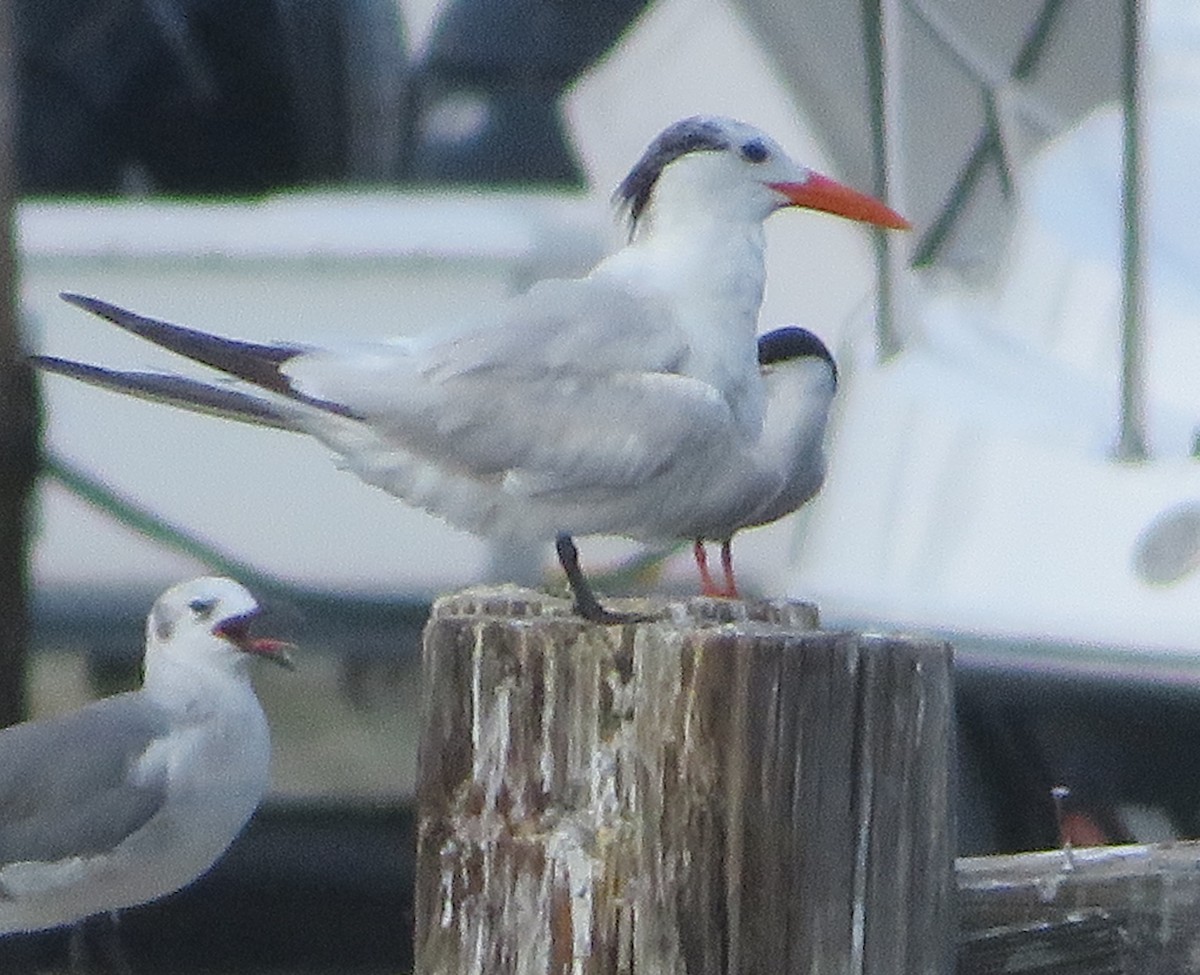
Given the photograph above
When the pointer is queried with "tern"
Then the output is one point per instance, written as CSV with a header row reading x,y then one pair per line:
x,y
135,796
629,401
801,378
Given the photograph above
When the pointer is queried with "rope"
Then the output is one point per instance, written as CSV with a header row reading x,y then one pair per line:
x,y
100,496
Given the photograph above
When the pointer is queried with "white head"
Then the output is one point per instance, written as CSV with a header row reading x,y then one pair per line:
x,y
730,169
204,625
800,378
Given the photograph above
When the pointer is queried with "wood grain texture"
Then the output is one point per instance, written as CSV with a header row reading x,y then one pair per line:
x,y
1150,894
728,790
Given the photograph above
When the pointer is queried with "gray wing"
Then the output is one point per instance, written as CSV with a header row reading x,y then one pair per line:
x,y
64,783
590,325
577,383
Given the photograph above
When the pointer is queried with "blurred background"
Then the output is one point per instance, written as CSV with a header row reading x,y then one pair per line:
x,y
1012,460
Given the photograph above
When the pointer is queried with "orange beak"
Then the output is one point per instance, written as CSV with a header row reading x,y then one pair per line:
x,y
829,196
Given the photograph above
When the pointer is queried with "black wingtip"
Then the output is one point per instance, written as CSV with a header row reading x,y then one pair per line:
x,y
96,375
87,303
177,391
68,367
254,362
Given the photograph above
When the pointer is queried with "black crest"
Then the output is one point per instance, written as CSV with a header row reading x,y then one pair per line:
x,y
695,134
792,342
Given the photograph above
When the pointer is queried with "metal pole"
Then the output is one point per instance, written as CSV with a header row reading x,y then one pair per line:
x,y
881,36
1132,443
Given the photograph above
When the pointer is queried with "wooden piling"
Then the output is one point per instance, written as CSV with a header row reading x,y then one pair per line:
x,y
1100,910
729,790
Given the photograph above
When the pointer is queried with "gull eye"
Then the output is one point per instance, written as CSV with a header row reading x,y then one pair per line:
x,y
202,608
754,151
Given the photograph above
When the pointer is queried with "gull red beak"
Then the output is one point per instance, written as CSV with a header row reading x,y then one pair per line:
x,y
237,631
829,196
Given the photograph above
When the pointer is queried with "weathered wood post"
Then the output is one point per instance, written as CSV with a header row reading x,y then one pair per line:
x,y
730,790
20,427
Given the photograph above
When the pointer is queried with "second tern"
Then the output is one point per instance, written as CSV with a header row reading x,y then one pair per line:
x,y
629,401
801,379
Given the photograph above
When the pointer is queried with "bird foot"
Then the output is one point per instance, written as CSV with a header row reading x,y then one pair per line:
x,y
586,603
593,612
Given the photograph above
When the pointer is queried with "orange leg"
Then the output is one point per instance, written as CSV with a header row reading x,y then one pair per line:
x,y
731,590
708,585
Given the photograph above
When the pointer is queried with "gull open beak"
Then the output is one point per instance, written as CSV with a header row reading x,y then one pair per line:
x,y
236,630
829,196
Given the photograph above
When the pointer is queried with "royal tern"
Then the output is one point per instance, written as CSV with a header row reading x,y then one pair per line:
x,y
626,402
136,795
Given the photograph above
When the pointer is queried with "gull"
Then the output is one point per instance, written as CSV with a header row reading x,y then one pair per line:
x,y
136,795
629,401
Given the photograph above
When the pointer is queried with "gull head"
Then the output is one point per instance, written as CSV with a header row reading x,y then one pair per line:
x,y
206,622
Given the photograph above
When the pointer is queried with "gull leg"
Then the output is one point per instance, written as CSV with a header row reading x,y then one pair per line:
x,y
586,603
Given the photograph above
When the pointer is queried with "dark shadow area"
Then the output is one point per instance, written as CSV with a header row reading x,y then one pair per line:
x,y
308,888
1125,750
243,97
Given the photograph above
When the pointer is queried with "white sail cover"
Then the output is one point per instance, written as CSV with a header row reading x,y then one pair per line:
x,y
969,88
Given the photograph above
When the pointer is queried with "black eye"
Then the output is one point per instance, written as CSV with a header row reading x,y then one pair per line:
x,y
202,607
754,151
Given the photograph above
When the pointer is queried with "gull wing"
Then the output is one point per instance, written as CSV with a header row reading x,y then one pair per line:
x,y
66,784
